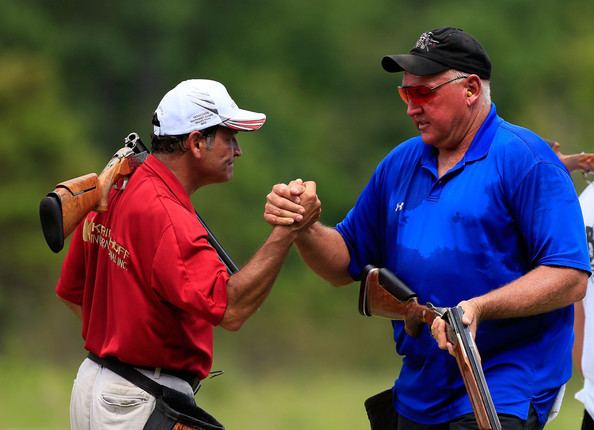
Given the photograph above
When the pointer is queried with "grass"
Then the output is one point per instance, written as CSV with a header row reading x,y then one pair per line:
x,y
36,395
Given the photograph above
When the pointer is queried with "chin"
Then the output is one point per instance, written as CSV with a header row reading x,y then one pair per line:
x,y
428,139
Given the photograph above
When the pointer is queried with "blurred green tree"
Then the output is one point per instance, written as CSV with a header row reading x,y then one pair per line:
x,y
43,143
79,76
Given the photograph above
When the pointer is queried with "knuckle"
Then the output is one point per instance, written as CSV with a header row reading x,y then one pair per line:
x,y
278,188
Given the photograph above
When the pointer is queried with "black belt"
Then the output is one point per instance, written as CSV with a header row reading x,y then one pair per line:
x,y
117,366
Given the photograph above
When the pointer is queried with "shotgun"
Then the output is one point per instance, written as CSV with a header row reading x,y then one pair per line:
x,y
64,208
383,294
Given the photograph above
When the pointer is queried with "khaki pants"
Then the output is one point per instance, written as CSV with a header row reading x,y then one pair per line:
x,y
102,400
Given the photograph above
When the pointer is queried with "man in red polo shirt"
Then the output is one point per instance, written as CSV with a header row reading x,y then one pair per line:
x,y
142,276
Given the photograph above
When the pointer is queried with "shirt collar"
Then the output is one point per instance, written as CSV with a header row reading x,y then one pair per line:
x,y
154,165
484,137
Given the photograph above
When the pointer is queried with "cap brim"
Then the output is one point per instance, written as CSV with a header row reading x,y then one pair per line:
x,y
245,120
414,64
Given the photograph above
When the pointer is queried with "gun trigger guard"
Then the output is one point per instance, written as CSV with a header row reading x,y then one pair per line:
x,y
375,269
451,335
450,332
440,312
123,184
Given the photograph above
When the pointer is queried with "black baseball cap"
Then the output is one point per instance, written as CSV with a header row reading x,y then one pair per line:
x,y
439,50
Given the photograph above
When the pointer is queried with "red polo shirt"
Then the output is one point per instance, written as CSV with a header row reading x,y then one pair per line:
x,y
150,286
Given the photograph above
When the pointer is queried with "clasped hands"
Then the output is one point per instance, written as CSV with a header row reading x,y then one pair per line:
x,y
295,205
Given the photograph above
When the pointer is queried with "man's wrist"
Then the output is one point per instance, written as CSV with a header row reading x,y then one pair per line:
x,y
478,308
283,233
304,234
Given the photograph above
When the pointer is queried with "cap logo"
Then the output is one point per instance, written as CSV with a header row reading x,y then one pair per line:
x,y
426,41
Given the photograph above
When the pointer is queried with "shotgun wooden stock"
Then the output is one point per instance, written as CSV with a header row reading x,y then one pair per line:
x,y
62,209
77,197
382,294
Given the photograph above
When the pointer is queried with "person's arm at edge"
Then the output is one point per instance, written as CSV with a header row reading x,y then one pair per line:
x,y
578,328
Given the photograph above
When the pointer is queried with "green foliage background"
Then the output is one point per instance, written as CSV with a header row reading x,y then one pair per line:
x,y
76,77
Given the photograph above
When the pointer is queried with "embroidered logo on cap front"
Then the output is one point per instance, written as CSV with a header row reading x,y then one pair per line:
x,y
426,41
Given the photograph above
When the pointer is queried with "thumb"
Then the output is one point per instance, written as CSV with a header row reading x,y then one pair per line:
x,y
310,187
296,187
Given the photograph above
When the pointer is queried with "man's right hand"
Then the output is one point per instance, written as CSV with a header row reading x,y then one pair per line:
x,y
295,204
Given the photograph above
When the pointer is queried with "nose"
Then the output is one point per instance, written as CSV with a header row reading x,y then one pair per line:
x,y
236,147
413,109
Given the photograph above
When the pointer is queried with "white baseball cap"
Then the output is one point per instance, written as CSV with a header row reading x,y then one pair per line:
x,y
197,104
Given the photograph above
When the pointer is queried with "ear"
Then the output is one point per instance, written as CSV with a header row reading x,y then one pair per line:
x,y
196,144
473,88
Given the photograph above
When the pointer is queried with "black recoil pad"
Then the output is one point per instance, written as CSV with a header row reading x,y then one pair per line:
x,y
395,286
50,212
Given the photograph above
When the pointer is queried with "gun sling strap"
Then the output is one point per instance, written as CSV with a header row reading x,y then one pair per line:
x,y
172,407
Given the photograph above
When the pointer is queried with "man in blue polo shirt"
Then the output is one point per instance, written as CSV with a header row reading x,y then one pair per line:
x,y
475,212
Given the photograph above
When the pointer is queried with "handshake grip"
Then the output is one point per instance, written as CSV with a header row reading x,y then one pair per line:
x,y
383,294
62,209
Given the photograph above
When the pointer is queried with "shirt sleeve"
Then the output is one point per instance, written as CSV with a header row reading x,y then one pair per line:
x,y
547,210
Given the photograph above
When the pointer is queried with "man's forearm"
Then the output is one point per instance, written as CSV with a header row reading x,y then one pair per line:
x,y
324,250
248,288
578,328
541,290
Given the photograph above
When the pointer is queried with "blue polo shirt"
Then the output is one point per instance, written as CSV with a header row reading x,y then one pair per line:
x,y
507,207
